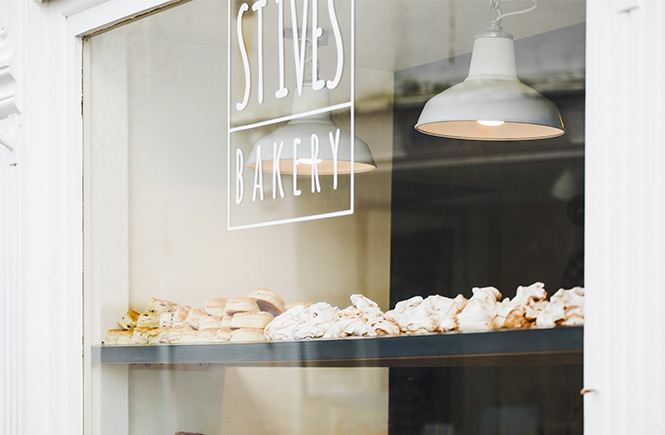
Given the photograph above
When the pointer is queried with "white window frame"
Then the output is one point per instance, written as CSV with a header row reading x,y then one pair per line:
x,y
623,367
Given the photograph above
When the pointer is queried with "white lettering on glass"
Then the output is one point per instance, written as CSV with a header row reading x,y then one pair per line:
x,y
332,84
240,184
315,164
245,60
317,32
258,175
334,146
276,174
283,90
299,53
258,7
296,191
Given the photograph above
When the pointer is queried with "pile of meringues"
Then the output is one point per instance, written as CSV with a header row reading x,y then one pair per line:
x,y
483,311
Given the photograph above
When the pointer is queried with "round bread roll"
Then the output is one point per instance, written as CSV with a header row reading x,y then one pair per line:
x,y
239,305
216,306
251,320
248,334
268,301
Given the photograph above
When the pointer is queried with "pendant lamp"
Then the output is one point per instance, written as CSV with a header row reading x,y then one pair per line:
x,y
491,103
311,152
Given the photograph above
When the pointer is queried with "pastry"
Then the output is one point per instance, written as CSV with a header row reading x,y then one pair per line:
x,y
404,312
247,334
226,320
268,301
517,318
238,305
207,336
166,319
140,335
216,306
118,336
180,317
210,322
188,336
251,319
195,316
360,319
523,310
223,334
158,335
314,321
128,320
566,307
479,312
174,335
160,305
282,327
149,319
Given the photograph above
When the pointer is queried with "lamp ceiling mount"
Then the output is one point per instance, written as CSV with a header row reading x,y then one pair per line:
x,y
495,5
491,103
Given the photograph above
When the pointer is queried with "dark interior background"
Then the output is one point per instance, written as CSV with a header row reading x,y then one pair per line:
x,y
468,214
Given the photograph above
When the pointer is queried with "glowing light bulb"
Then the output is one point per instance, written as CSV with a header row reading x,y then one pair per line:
x,y
490,123
309,161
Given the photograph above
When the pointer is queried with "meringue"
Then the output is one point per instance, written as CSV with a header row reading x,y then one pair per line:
x,y
480,311
523,309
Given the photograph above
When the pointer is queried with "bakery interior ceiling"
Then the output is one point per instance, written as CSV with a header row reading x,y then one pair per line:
x,y
396,35
450,26
429,30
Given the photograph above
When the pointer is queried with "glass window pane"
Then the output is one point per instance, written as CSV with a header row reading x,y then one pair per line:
x,y
229,147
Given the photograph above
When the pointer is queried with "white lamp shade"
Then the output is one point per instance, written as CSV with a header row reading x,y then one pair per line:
x,y
322,127
491,104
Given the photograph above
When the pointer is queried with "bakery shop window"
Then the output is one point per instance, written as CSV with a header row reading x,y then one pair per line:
x,y
331,216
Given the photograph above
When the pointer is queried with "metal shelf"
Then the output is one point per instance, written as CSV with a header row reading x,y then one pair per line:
x,y
527,346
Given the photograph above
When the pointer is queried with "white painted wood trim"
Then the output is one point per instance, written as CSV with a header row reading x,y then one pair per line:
x,y
12,291
625,212
624,352
107,14
53,215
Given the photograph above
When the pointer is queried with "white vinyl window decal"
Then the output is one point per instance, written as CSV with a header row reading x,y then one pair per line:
x,y
267,71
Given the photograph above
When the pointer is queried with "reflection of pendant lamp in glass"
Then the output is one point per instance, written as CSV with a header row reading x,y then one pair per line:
x,y
491,103
321,152
321,125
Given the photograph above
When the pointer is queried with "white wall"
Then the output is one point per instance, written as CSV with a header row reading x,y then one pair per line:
x,y
625,212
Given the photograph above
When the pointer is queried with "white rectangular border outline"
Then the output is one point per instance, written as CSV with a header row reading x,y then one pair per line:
x,y
350,104
290,117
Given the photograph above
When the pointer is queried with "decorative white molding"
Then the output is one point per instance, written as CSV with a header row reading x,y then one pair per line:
x,y
8,131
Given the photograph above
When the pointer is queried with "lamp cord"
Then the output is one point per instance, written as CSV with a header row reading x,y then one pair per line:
x,y
495,5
